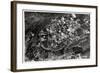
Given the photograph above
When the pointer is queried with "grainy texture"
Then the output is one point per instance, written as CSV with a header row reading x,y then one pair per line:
x,y
56,36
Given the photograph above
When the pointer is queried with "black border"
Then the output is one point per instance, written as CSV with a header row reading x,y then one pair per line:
x,y
14,35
